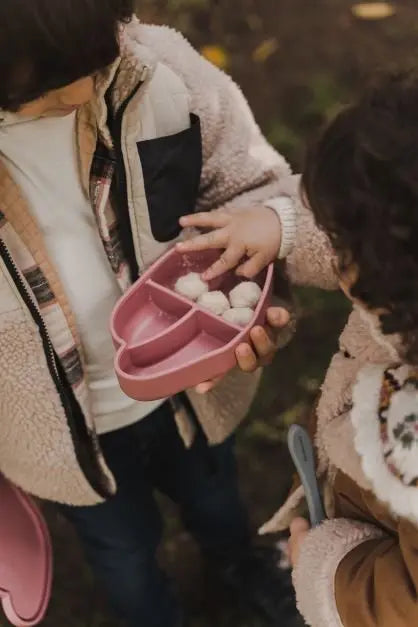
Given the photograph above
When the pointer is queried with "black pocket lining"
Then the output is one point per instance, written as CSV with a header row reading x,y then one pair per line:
x,y
172,167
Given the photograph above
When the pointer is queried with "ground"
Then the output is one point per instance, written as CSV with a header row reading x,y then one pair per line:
x,y
297,62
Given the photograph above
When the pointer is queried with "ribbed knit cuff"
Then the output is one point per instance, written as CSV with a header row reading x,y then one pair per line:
x,y
284,206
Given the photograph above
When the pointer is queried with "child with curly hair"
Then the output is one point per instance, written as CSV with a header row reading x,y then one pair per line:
x,y
357,228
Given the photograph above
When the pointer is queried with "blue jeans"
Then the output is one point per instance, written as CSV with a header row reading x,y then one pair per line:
x,y
121,537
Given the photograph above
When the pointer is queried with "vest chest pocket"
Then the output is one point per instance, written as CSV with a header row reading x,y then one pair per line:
x,y
172,168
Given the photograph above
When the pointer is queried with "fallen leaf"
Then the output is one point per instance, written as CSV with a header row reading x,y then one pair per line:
x,y
265,50
216,55
373,10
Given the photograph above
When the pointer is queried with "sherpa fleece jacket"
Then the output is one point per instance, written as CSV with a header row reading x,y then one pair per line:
x,y
360,567
166,133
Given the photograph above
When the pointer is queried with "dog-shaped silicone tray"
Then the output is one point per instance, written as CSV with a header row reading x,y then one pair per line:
x,y
25,558
166,343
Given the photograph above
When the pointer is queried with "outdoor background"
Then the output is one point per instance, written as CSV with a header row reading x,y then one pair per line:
x,y
297,62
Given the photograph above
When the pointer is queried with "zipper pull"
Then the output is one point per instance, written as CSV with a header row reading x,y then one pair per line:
x,y
144,74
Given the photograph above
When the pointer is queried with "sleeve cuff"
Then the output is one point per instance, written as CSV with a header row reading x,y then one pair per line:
x,y
314,576
285,209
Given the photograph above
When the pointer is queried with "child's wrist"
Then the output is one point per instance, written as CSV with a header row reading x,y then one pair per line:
x,y
284,207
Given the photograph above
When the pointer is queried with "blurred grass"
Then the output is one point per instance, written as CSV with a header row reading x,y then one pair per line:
x,y
315,55
297,61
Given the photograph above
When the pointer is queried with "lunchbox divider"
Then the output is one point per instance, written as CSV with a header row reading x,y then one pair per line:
x,y
166,344
162,348
166,334
163,299
218,319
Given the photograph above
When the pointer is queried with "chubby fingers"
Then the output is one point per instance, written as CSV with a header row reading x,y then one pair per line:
x,y
252,266
215,239
206,220
247,358
264,345
278,317
299,529
229,259
298,526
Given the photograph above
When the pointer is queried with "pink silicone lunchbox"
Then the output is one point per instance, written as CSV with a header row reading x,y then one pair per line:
x,y
25,558
165,343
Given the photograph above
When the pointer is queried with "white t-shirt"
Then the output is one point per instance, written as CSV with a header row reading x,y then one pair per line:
x,y
41,156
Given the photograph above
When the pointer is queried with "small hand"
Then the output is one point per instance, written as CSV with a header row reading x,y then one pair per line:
x,y
299,529
263,348
254,234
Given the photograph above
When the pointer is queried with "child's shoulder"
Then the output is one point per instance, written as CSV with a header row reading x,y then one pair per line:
x,y
385,420
155,35
170,47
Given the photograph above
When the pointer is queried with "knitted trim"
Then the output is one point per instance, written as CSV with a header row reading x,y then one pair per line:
x,y
385,420
284,207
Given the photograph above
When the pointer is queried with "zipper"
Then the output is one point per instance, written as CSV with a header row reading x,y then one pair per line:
x,y
122,185
83,447
36,315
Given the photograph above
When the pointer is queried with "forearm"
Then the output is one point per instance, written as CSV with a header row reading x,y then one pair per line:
x,y
307,249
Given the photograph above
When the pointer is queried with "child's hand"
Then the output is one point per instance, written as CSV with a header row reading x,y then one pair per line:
x,y
253,233
299,529
262,349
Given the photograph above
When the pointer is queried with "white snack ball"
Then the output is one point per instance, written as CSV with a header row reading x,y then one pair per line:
x,y
215,302
246,294
240,316
191,286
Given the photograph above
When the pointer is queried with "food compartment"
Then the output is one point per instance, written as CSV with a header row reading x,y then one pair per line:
x,y
166,343
146,312
197,336
177,265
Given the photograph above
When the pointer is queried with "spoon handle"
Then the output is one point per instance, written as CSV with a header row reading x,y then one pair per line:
x,y
301,450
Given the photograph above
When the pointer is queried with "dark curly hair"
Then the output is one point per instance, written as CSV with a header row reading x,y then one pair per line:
x,y
361,182
47,44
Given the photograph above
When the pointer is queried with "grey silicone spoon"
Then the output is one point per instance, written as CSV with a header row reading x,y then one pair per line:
x,y
301,450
